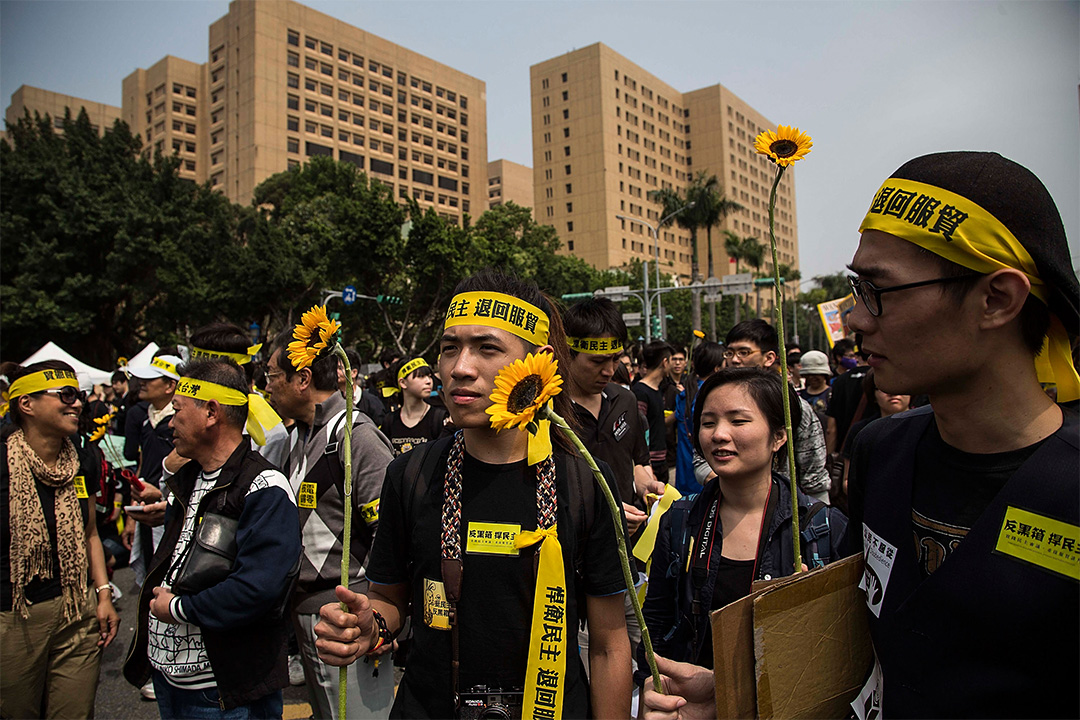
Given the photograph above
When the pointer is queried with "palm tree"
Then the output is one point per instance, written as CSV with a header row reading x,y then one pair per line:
x,y
791,276
672,201
711,207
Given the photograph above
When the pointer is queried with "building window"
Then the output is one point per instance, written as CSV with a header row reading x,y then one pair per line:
x,y
294,102
567,169
570,245
565,95
293,146
566,151
382,167
544,84
293,124
569,207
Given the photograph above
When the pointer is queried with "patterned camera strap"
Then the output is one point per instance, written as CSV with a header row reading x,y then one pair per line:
x,y
546,508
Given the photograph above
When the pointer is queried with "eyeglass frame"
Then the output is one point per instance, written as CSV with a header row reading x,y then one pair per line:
x,y
76,394
743,353
857,283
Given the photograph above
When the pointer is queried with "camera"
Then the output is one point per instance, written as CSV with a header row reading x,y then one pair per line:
x,y
481,701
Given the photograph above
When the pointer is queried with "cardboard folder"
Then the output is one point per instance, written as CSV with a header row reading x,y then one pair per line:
x,y
798,647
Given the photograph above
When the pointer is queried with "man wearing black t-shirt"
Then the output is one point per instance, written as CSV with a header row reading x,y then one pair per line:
x,y
456,520
969,510
656,357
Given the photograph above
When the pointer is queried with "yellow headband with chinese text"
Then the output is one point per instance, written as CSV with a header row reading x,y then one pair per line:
x,y
261,417
504,312
595,346
42,380
410,367
959,230
164,365
238,358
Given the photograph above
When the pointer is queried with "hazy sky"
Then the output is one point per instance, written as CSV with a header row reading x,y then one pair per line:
x,y
874,83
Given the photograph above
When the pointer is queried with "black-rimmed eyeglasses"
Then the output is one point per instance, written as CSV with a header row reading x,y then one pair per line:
x,y
67,394
870,294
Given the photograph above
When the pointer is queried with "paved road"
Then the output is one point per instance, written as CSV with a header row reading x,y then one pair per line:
x,y
116,698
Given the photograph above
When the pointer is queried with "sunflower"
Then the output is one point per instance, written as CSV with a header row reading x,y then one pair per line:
x,y
314,336
102,426
699,334
522,388
784,146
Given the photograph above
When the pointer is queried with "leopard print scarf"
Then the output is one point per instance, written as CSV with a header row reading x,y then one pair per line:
x,y
31,551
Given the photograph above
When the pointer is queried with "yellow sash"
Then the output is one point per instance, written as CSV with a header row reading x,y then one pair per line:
x,y
545,678
261,417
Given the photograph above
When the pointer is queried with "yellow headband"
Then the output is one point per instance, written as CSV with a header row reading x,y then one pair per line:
x,y
504,312
595,346
238,358
959,230
411,367
261,417
164,365
42,380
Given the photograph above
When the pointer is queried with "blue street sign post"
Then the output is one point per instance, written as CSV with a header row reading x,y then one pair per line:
x,y
348,295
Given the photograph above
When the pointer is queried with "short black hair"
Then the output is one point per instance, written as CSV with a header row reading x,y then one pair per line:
x,y
678,350
594,317
841,348
224,372
756,331
707,357
118,376
388,356
323,370
654,354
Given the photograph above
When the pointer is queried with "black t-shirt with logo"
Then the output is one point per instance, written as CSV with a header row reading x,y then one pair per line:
x,y
495,610
615,436
38,589
651,403
951,490
404,438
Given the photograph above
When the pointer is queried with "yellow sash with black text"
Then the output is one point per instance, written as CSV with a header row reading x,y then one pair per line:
x,y
545,678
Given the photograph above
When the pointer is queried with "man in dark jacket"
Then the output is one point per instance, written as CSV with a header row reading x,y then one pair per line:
x,y
212,635
978,616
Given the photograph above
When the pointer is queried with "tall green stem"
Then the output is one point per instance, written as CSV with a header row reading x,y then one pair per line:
x,y
346,540
616,513
779,311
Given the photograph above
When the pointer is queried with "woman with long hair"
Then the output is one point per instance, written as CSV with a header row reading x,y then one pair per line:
x,y
712,546
56,611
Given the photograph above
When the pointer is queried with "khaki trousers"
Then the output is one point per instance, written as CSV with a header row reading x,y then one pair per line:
x,y
48,668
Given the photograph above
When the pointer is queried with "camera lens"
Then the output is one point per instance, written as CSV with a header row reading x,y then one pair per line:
x,y
497,710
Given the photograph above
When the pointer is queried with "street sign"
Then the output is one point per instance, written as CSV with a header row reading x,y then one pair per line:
x,y
740,279
632,319
741,289
618,293
348,295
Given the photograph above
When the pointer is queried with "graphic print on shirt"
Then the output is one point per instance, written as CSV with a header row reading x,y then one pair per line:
x,y
934,541
619,427
879,557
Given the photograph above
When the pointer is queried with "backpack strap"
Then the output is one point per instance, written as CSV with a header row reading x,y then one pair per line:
x,y
814,530
679,542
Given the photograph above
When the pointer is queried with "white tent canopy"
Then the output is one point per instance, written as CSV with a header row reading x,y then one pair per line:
x,y
88,375
144,356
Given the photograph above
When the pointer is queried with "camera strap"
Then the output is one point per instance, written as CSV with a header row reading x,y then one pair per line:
x,y
545,676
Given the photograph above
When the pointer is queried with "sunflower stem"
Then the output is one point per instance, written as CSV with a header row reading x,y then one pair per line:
x,y
778,310
616,512
347,531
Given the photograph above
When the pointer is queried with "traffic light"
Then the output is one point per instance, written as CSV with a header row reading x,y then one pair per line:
x,y
388,300
655,319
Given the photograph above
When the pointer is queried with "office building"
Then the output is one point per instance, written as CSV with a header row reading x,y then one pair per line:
x,y
606,133
509,182
46,102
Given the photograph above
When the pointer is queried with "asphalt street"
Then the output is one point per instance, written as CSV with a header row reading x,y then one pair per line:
x,y
117,698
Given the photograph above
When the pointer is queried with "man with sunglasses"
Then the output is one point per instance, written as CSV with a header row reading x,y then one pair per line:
x,y
965,292
754,343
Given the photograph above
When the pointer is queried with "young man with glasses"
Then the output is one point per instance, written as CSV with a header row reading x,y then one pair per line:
x,y
966,293
754,343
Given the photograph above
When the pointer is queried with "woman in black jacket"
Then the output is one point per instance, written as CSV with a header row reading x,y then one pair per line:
x,y
712,546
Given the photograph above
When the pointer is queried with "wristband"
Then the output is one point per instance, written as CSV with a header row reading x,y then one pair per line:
x,y
106,586
384,631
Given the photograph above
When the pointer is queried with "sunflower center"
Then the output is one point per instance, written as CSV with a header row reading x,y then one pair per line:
x,y
783,148
524,393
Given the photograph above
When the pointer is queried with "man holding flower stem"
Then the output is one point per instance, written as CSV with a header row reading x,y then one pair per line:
x,y
461,521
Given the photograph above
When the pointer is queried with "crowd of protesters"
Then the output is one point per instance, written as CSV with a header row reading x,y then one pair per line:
x,y
930,442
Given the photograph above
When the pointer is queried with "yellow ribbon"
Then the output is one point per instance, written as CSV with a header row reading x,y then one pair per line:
x,y
42,380
957,229
410,367
497,310
595,346
643,549
4,403
261,417
540,442
389,390
239,358
545,677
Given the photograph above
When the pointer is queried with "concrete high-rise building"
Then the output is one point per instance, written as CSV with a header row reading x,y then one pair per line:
x,y
285,83
606,133
46,102
509,182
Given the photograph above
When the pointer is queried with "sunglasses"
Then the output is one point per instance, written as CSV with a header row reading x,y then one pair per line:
x,y
67,394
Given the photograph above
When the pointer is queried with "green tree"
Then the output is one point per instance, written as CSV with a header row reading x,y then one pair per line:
x,y
711,208
104,248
